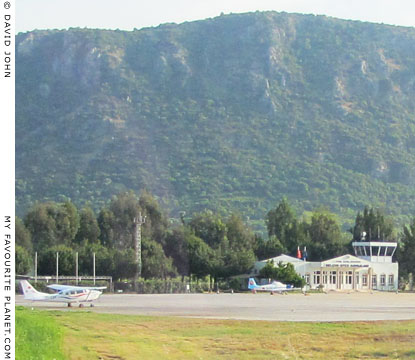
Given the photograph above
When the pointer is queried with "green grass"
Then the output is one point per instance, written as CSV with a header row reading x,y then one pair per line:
x,y
38,336
87,335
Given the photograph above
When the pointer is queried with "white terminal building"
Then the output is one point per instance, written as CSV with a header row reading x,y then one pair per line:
x,y
370,269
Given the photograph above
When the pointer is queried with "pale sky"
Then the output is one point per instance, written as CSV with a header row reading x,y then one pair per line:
x,y
130,14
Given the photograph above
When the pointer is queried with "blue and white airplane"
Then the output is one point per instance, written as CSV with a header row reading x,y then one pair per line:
x,y
65,293
274,287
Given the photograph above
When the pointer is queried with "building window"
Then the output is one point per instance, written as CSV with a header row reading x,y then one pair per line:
x,y
382,280
349,277
391,280
357,279
364,280
316,277
333,275
307,279
374,281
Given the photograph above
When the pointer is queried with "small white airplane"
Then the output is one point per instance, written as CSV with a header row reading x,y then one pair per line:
x,y
65,293
274,287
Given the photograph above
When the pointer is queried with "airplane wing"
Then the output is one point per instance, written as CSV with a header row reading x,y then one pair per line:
x,y
58,287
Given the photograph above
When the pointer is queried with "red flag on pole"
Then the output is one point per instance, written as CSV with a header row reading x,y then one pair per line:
x,y
298,252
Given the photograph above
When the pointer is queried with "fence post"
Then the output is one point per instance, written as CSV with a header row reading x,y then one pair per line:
x,y
36,267
57,267
76,268
93,262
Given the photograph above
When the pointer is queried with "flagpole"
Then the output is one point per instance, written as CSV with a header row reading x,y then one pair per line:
x,y
305,281
305,261
305,286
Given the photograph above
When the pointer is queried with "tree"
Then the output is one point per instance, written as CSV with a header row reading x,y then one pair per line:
x,y
239,235
238,254
41,226
200,256
51,224
282,223
296,236
155,263
47,261
265,249
228,249
279,220
67,222
374,223
209,227
124,208
106,223
237,262
176,248
210,257
156,222
125,264
88,227
326,237
104,260
23,236
117,225
406,250
269,271
23,260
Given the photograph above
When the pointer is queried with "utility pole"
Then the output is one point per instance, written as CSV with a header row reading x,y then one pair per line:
x,y
36,267
138,222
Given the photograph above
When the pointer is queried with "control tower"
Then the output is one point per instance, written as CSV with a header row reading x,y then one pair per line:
x,y
374,251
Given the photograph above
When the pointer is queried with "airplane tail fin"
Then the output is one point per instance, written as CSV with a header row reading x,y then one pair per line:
x,y
29,291
251,284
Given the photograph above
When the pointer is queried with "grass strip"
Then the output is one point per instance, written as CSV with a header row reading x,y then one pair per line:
x,y
38,335
89,335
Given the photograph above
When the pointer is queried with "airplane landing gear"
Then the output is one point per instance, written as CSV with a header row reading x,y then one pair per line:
x,y
81,305
69,305
92,305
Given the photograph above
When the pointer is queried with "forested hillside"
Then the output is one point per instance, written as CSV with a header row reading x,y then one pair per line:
x,y
230,113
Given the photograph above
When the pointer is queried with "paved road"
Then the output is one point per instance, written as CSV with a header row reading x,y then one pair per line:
x,y
291,307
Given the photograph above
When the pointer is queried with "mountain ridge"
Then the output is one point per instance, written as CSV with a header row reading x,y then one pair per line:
x,y
313,108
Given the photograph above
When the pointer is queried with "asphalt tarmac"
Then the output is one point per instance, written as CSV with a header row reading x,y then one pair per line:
x,y
261,306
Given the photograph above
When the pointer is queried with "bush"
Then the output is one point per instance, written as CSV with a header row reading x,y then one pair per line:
x,y
283,272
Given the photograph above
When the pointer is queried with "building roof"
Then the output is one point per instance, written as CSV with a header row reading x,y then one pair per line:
x,y
282,258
